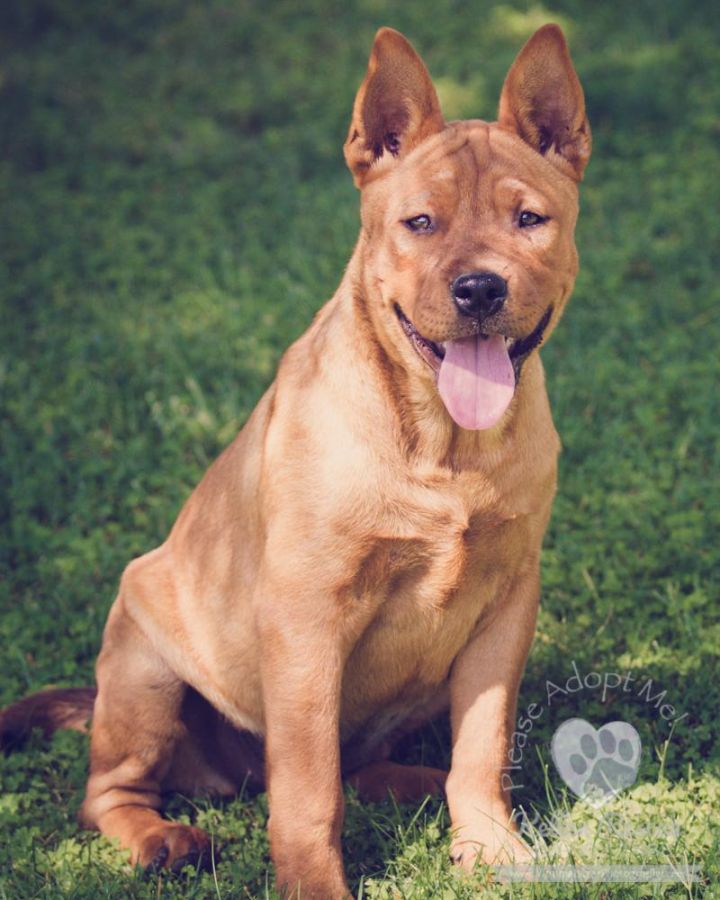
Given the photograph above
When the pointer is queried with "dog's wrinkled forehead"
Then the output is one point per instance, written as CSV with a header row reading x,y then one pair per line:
x,y
477,152
464,168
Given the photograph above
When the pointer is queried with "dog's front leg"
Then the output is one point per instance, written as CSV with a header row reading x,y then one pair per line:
x,y
483,698
302,675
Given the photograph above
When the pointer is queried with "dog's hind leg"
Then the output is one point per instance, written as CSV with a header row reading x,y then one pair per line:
x,y
136,729
378,779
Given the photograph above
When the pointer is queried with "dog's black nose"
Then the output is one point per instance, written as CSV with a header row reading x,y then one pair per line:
x,y
479,294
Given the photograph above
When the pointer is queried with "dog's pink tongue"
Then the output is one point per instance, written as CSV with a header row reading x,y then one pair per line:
x,y
476,381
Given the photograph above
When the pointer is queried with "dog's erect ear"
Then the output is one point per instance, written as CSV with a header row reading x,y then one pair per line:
x,y
395,108
543,102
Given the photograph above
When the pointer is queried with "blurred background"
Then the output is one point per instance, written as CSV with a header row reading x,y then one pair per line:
x,y
175,208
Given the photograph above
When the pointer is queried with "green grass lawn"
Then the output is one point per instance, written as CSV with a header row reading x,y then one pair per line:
x,y
175,208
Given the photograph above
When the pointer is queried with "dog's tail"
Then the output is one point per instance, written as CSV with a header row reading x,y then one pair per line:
x,y
49,711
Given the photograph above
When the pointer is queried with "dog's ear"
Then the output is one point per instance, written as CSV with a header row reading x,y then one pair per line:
x,y
395,108
542,101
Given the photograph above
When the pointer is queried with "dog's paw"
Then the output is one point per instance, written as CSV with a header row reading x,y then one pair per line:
x,y
173,846
491,846
596,765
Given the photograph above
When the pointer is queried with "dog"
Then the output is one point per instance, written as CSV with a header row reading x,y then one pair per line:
x,y
365,555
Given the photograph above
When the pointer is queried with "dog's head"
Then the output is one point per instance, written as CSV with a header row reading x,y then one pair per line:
x,y
468,227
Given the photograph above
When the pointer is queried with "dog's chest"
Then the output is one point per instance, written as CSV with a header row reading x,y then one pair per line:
x,y
427,578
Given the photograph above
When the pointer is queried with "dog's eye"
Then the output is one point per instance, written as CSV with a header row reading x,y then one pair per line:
x,y
419,223
528,218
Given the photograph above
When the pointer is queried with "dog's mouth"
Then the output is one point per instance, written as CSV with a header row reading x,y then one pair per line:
x,y
476,375
432,352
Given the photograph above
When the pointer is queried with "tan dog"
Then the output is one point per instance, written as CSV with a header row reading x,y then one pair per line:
x,y
366,553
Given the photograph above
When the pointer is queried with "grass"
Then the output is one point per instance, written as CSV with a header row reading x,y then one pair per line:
x,y
175,209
